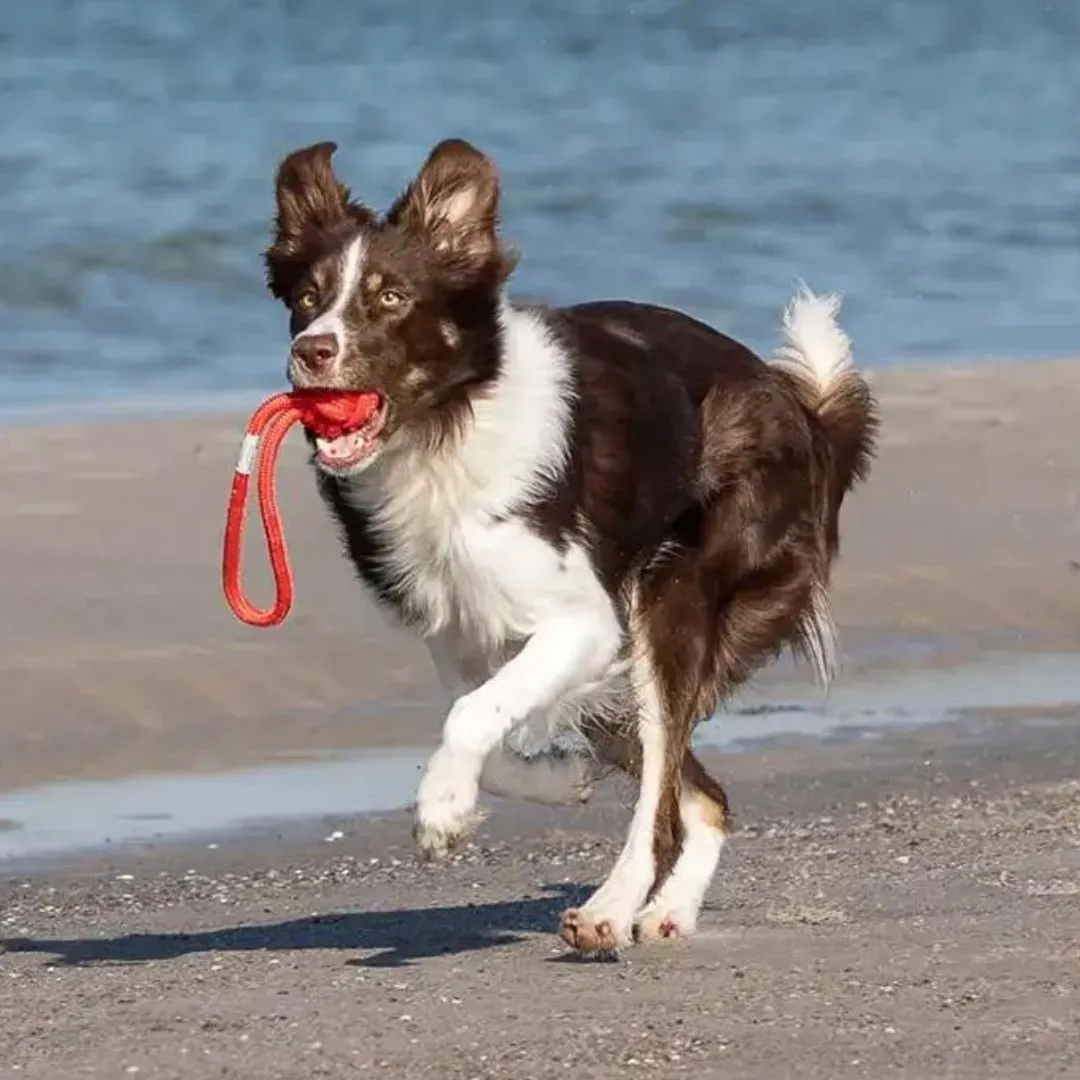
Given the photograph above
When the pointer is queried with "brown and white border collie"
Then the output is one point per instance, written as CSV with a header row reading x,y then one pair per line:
x,y
602,518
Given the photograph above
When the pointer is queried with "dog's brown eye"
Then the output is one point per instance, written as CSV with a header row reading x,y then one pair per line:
x,y
307,300
391,298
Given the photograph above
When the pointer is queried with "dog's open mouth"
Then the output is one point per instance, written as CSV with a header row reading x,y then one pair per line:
x,y
354,448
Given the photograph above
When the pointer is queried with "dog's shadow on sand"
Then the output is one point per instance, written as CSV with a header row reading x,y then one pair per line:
x,y
393,938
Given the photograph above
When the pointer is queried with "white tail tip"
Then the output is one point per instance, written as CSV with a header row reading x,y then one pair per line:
x,y
813,345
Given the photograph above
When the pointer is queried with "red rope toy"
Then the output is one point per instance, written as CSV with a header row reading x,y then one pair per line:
x,y
329,413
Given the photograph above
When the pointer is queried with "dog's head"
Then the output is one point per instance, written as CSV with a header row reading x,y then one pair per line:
x,y
405,304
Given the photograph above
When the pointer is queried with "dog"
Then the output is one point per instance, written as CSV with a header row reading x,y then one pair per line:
x,y
602,518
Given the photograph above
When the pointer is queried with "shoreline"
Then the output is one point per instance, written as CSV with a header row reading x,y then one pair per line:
x,y
44,826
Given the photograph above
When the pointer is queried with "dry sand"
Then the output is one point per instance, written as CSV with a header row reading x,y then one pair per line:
x,y
907,906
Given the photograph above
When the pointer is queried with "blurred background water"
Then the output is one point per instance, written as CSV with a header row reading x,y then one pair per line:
x,y
922,156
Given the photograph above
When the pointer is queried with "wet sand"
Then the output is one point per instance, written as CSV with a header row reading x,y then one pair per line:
x,y
899,901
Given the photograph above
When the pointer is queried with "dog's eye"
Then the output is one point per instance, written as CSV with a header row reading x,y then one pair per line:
x,y
391,298
307,300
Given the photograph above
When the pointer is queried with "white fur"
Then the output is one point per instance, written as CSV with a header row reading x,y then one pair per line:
x,y
819,635
332,320
469,566
814,346
528,627
621,896
674,909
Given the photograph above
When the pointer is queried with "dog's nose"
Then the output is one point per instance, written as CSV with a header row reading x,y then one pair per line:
x,y
315,352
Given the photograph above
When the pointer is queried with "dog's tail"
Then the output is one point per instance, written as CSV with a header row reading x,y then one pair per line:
x,y
816,353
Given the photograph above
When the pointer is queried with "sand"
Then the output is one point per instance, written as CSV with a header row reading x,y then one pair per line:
x,y
902,906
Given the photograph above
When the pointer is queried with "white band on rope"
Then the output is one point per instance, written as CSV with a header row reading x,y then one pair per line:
x,y
248,449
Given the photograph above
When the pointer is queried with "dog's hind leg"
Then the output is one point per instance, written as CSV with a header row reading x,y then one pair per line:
x,y
605,921
703,812
735,634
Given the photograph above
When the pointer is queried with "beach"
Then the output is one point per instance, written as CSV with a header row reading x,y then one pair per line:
x,y
899,896
206,867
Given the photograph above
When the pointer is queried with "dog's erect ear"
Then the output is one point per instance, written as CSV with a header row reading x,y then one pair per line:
x,y
310,199
309,194
453,206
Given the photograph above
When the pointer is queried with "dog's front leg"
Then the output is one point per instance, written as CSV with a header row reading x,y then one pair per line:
x,y
562,655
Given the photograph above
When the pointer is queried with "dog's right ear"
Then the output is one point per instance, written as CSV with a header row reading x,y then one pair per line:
x,y
309,195
310,200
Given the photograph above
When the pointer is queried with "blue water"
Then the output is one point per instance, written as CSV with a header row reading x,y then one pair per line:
x,y
923,156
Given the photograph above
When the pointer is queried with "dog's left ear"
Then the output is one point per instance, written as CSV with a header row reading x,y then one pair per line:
x,y
453,206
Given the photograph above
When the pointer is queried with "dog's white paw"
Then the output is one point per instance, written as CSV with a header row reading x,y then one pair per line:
x,y
446,810
657,922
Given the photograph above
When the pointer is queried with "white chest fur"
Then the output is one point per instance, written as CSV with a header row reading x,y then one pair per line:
x,y
471,573
451,520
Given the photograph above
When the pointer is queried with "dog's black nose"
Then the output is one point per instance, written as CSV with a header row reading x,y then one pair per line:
x,y
315,352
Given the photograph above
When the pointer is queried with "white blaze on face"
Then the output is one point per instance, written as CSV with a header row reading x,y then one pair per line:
x,y
332,321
